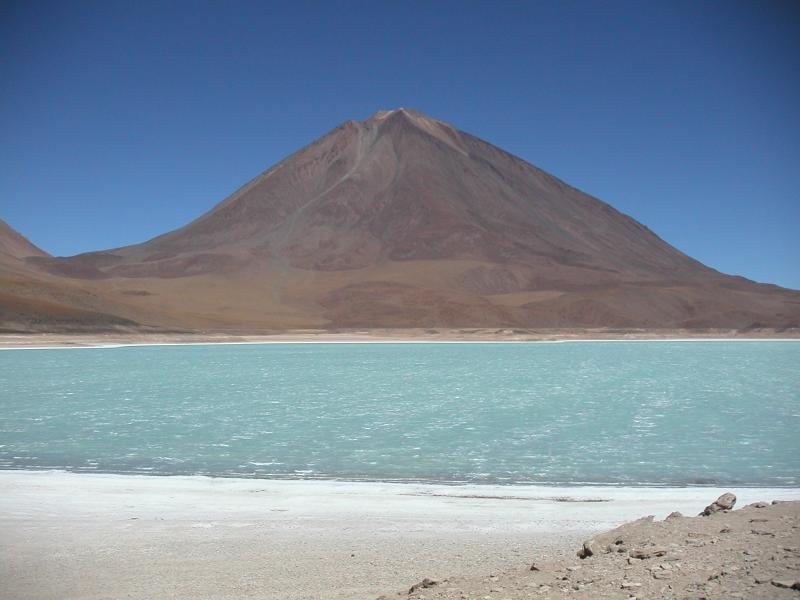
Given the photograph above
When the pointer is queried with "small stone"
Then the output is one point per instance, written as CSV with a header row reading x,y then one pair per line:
x,y
590,548
758,505
534,567
629,585
425,583
761,532
789,584
643,553
662,575
762,578
674,515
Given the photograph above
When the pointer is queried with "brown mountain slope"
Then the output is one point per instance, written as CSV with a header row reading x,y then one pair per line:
x,y
403,221
15,245
34,301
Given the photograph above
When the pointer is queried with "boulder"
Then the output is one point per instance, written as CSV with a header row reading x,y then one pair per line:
x,y
724,502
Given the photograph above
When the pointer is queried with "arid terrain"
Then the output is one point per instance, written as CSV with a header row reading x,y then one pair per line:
x,y
398,221
749,553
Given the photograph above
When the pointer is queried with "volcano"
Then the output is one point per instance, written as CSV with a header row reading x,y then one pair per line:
x,y
402,220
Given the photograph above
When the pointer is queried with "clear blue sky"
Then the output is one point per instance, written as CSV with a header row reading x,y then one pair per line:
x,y
122,120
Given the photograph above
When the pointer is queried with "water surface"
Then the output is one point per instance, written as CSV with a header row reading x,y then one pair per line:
x,y
670,413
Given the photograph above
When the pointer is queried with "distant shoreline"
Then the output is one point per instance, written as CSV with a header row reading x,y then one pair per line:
x,y
410,336
559,493
478,489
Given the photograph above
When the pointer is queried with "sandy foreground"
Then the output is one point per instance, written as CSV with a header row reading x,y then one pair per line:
x,y
44,340
65,535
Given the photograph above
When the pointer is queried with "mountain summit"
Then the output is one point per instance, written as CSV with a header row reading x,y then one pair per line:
x,y
402,220
402,186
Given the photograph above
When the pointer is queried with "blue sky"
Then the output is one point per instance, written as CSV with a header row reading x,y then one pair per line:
x,y
122,120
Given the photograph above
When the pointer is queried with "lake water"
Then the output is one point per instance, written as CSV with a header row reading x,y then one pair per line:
x,y
630,413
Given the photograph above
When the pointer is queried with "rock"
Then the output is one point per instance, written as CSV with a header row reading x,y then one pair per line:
x,y
643,553
757,505
674,515
534,567
425,583
662,575
790,584
590,548
761,532
629,585
724,502
599,543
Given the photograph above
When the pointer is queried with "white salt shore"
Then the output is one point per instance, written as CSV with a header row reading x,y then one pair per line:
x,y
65,535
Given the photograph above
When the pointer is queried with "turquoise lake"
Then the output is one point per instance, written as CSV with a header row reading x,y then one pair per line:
x,y
629,413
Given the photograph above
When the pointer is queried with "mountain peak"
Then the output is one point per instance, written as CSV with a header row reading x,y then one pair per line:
x,y
402,220
409,114
383,114
408,118
15,244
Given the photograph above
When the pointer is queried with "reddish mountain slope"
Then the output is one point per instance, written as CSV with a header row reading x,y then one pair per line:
x,y
14,245
32,300
404,221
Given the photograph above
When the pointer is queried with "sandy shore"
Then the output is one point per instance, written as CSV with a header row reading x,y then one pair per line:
x,y
66,535
44,340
